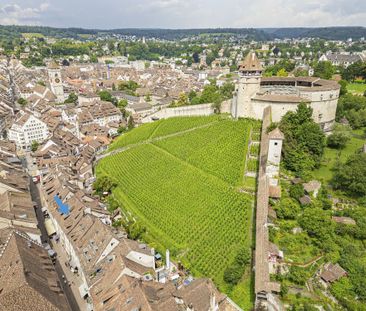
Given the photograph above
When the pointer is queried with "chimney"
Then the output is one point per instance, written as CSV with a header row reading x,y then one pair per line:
x,y
167,259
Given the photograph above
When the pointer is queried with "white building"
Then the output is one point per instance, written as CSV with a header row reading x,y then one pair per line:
x,y
27,129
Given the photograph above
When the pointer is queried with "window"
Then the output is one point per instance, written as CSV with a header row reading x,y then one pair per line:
x,y
276,143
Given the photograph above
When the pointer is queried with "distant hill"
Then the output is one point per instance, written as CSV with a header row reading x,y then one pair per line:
x,y
258,34
168,34
328,33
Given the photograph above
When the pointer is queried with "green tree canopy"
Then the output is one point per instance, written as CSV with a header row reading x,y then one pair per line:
x,y
304,140
324,70
351,176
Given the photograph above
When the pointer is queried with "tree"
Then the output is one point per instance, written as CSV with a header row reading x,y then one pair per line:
x,y
287,209
243,257
71,99
353,108
343,90
196,57
350,177
354,71
104,184
324,70
135,231
131,123
122,103
318,224
304,140
282,73
233,274
340,136
22,101
192,94
34,146
106,96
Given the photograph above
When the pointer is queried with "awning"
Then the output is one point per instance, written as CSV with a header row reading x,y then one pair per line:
x,y
62,208
50,228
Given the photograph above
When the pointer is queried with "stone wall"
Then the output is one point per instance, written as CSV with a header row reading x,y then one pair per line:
x,y
187,111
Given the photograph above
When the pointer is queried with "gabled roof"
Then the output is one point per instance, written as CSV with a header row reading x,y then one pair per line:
x,y
276,134
250,63
28,278
53,65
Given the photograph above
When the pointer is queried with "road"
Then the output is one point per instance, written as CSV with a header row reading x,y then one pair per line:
x,y
66,288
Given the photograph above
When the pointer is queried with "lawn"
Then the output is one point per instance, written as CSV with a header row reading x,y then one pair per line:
x,y
332,156
182,189
356,88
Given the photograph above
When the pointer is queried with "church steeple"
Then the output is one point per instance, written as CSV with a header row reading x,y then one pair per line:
x,y
251,65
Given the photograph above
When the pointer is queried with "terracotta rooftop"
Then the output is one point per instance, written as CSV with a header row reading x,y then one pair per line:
x,y
276,134
250,63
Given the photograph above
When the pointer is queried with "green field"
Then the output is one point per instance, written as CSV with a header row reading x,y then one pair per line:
x,y
332,156
29,35
184,190
356,88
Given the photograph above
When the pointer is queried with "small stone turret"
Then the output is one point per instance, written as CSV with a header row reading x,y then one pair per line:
x,y
250,72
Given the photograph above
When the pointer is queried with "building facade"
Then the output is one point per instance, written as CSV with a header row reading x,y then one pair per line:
x,y
54,75
26,130
254,93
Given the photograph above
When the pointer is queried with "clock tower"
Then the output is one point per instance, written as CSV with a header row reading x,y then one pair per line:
x,y
54,75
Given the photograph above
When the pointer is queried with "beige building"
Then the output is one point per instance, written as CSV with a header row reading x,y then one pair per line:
x,y
254,93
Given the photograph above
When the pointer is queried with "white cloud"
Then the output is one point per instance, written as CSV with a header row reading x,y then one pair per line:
x,y
13,14
184,13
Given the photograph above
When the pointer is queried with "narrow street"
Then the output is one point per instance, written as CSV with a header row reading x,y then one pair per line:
x,y
58,267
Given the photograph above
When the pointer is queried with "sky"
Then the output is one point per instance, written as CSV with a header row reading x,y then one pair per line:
x,y
108,14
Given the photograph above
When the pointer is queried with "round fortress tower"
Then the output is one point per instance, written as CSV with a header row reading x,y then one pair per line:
x,y
254,93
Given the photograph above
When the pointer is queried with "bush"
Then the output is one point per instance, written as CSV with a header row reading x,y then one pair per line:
x,y
233,274
287,209
340,136
296,191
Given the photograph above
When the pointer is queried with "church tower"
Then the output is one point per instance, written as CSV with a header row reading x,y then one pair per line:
x,y
54,76
250,73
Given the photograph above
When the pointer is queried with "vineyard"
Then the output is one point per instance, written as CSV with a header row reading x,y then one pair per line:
x,y
161,128
183,189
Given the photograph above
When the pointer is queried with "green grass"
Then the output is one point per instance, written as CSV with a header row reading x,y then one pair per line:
x,y
252,165
254,149
182,190
256,136
161,128
29,35
297,248
249,183
332,156
356,88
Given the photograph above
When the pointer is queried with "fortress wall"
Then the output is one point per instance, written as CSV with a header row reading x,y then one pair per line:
x,y
185,111
278,109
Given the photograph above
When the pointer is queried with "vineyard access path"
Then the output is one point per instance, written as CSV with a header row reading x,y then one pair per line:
x,y
150,140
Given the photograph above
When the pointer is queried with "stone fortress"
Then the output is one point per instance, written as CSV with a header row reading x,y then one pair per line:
x,y
254,93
